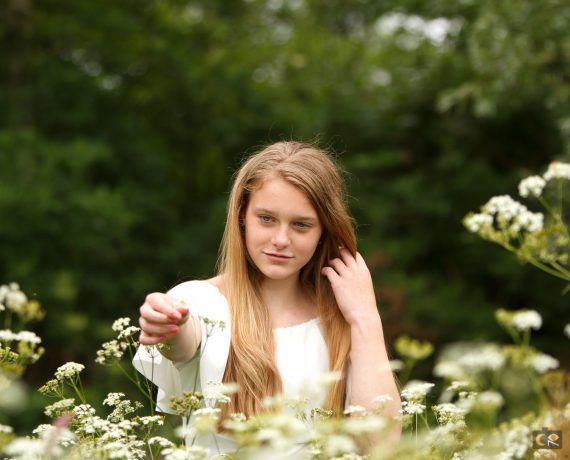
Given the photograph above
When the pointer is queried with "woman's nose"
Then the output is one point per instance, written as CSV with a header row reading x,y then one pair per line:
x,y
281,237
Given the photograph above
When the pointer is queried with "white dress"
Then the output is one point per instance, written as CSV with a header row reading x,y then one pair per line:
x,y
301,355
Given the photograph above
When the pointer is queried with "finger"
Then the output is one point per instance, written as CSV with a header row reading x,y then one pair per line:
x,y
147,339
185,312
347,257
331,274
339,266
154,316
158,329
360,260
164,304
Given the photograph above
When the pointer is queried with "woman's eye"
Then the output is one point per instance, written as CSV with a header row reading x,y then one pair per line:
x,y
302,225
265,218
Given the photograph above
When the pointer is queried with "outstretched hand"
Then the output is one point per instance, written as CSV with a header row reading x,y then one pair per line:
x,y
161,318
352,285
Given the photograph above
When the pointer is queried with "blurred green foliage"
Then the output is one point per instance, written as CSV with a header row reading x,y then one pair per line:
x,y
122,122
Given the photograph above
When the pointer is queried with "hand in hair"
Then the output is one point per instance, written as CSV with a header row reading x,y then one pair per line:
x,y
353,289
161,317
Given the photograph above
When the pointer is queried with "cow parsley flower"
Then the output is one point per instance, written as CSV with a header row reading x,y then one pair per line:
x,y
6,429
338,445
475,222
532,185
6,335
128,332
120,324
557,170
490,399
526,319
416,390
28,336
111,352
411,408
14,299
68,371
113,399
449,413
59,408
160,441
543,363
354,410
567,330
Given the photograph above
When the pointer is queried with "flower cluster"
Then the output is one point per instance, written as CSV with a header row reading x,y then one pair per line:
x,y
12,299
521,320
540,239
69,371
112,351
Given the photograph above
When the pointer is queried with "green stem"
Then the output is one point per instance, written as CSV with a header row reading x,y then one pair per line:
x,y
78,392
547,269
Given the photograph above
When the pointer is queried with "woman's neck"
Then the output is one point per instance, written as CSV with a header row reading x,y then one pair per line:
x,y
287,301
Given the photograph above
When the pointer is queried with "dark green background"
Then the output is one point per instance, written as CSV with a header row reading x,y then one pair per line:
x,y
121,123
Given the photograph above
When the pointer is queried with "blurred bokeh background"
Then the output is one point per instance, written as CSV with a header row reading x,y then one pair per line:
x,y
121,123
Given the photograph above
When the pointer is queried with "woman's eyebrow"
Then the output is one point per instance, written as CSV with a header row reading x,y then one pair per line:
x,y
269,211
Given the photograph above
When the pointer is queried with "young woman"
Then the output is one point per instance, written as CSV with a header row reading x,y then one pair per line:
x,y
296,296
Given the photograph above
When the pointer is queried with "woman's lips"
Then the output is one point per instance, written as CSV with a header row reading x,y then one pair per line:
x,y
278,257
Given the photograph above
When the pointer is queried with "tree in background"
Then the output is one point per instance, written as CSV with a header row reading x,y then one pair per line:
x,y
122,122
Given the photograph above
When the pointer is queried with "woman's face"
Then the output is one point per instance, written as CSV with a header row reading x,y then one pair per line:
x,y
282,229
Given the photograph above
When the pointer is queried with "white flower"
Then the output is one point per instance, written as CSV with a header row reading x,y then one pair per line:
x,y
6,335
339,444
483,358
382,399
370,424
354,410
532,185
477,221
525,320
329,378
113,399
185,453
25,449
490,399
516,441
162,442
416,390
152,420
6,429
409,407
396,365
69,370
448,370
120,324
514,213
458,385
28,336
449,413
131,330
216,392
543,363
557,170
59,407
567,330
15,300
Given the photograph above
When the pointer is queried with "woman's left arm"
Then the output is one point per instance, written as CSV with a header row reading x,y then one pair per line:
x,y
371,374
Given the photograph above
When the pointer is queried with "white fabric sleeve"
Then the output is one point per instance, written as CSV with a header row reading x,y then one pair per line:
x,y
203,300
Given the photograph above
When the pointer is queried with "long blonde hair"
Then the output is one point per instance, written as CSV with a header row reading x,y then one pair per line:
x,y
251,362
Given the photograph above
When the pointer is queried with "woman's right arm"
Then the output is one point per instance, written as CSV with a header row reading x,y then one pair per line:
x,y
165,319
